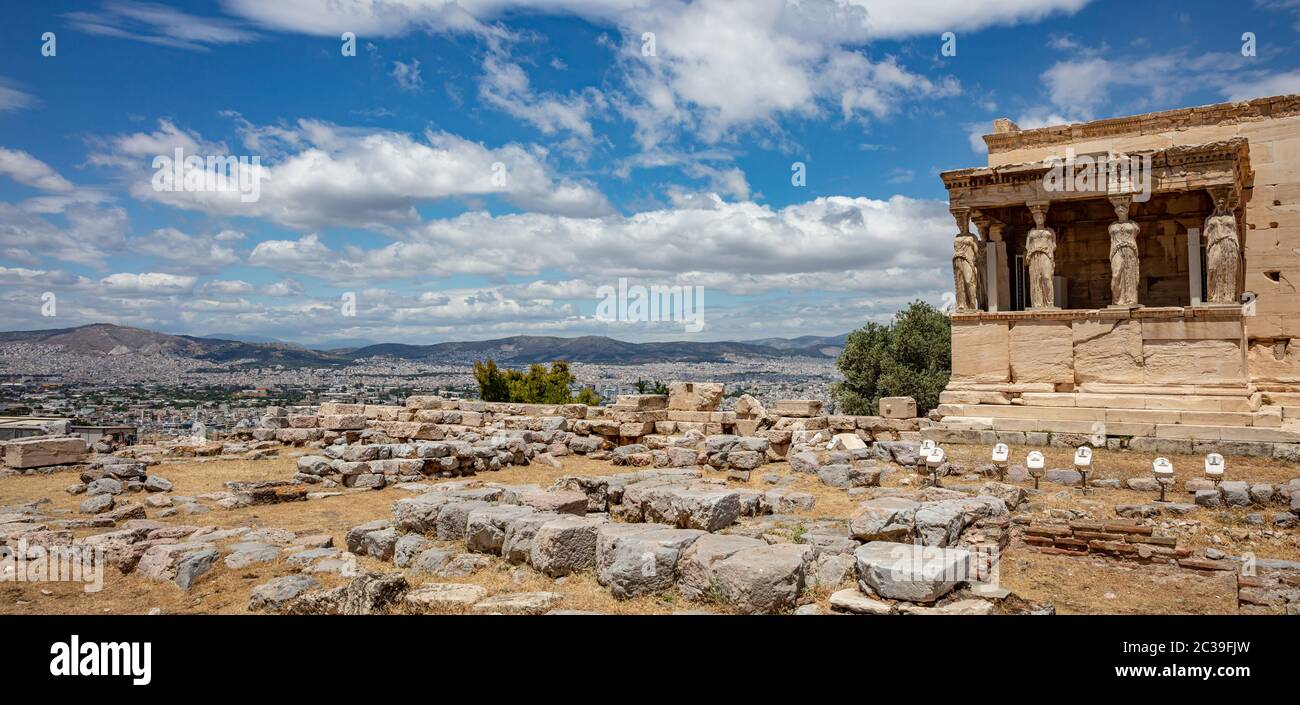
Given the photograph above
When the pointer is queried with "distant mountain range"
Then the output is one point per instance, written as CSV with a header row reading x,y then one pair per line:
x,y
107,339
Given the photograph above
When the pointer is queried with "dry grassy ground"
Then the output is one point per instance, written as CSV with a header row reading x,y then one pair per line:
x,y
1074,585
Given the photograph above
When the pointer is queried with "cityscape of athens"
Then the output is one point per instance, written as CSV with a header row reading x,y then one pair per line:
x,y
770,309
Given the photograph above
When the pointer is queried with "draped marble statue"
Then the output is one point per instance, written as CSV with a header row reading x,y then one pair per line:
x,y
965,264
1040,252
1222,252
1123,255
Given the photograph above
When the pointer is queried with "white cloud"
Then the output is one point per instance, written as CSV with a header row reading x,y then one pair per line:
x,y
1261,86
339,176
408,75
812,245
506,87
283,288
147,284
227,287
88,236
13,99
160,25
30,171
1082,87
719,65
185,252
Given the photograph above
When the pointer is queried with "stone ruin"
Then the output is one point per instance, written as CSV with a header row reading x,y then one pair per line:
x,y
670,523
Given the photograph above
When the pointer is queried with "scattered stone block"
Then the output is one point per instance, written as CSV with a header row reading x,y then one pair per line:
x,y
898,571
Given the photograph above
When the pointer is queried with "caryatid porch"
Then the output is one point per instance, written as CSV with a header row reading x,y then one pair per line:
x,y
1107,307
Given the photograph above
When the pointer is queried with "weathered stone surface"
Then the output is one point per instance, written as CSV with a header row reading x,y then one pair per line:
x,y
763,580
559,501
274,594
106,485
486,527
194,564
980,352
884,519
1208,498
852,600
245,554
1142,484
565,545
784,500
1042,351
42,452
899,571
418,514
804,461
517,542
898,407
1062,476
695,567
695,396
441,597
1235,494
1108,351
518,603
453,518
356,534
698,508
644,563
97,504
373,593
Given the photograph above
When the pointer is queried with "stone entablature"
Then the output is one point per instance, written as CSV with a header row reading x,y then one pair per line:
x,y
1224,164
1148,124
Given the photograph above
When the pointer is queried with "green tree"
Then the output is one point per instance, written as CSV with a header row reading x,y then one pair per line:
x,y
911,357
492,383
536,386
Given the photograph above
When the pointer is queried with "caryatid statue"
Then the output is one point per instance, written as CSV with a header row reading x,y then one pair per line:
x,y
1222,251
1123,255
1040,251
965,263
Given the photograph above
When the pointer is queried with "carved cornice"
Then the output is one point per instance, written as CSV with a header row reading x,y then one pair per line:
x,y
1177,168
1150,123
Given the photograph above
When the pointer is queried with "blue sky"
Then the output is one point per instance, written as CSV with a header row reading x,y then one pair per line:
x,y
479,169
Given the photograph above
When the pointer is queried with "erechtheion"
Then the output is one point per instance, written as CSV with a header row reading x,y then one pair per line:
x,y
1136,283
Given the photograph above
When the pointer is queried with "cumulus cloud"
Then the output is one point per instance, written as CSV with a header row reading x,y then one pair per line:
x,y
338,176
185,252
147,284
30,171
802,246
718,65
87,235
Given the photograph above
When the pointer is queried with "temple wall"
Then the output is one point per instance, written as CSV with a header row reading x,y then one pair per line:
x,y
1073,348
1271,243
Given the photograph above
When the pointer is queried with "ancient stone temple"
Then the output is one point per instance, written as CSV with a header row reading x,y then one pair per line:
x,y
1134,283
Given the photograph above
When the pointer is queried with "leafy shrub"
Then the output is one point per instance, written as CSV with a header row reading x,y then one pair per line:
x,y
911,357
